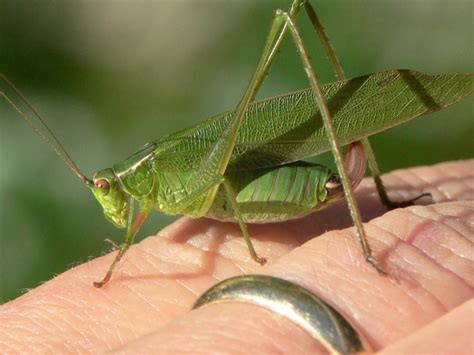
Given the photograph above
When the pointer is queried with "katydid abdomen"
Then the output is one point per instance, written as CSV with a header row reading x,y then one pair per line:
x,y
286,192
275,194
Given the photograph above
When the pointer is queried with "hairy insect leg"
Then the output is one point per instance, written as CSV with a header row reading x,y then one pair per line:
x,y
232,197
131,233
340,74
335,146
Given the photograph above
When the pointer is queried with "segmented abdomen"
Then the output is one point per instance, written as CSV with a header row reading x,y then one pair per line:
x,y
273,194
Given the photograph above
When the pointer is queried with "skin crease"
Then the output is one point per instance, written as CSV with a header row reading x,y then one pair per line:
x,y
422,307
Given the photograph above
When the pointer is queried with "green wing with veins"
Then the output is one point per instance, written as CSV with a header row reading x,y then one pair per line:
x,y
289,127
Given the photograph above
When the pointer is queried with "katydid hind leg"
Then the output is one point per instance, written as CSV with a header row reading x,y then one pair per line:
x,y
122,248
340,74
335,146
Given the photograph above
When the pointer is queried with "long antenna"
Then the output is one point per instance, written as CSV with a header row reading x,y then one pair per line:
x,y
58,147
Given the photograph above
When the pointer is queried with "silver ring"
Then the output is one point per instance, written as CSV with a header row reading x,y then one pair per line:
x,y
294,302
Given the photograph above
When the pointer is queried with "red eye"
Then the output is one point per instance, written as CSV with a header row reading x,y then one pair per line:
x,y
102,184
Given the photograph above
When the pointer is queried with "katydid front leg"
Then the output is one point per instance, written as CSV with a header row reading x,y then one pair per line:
x,y
131,233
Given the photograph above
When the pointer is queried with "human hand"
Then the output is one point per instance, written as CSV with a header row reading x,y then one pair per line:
x,y
146,305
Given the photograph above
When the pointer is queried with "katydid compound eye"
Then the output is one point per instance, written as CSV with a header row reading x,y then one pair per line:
x,y
102,184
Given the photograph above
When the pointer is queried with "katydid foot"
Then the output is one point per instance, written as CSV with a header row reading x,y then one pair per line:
x,y
391,205
99,284
261,260
253,254
377,266
122,250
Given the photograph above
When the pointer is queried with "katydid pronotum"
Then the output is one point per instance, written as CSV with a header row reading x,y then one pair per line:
x,y
198,165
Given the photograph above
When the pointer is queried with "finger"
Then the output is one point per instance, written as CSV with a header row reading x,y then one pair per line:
x,y
450,334
426,248
161,277
227,328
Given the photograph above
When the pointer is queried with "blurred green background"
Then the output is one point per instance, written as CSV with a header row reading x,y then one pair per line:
x,y
112,75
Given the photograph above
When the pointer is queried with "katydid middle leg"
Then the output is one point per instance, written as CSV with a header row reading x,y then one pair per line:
x,y
232,197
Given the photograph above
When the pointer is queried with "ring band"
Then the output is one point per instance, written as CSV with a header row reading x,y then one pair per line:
x,y
294,302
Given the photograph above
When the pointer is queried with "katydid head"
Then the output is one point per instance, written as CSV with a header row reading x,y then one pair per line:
x,y
111,197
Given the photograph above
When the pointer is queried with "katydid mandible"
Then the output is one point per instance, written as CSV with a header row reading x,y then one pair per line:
x,y
246,165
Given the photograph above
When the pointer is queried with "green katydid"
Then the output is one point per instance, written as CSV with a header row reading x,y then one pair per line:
x,y
215,167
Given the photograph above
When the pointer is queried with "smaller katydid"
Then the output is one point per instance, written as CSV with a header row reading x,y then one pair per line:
x,y
246,165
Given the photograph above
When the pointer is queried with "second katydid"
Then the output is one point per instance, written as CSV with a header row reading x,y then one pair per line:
x,y
246,165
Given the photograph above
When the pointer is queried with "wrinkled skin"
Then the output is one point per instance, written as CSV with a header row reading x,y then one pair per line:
x,y
146,307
